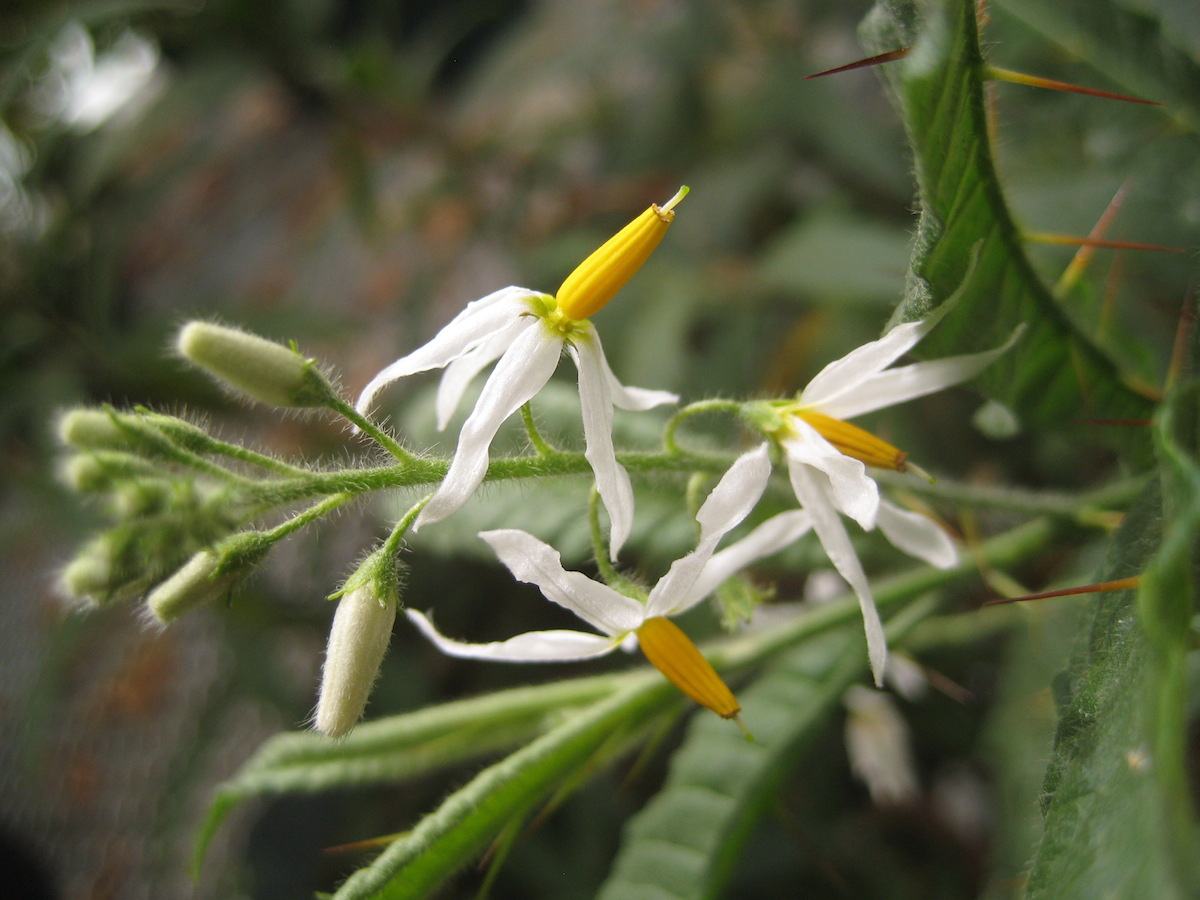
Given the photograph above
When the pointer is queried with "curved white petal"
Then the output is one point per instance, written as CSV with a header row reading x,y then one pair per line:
x,y
465,331
536,562
729,502
847,373
836,543
595,399
916,535
523,370
532,646
460,372
768,538
851,489
908,382
631,398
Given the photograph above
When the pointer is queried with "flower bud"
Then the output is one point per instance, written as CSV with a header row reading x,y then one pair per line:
x,y
93,429
358,640
102,572
195,583
262,370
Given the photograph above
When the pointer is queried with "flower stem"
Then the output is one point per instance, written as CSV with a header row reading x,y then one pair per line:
x,y
366,426
539,443
670,442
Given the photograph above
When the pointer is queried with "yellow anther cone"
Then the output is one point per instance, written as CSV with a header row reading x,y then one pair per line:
x,y
597,279
855,442
673,653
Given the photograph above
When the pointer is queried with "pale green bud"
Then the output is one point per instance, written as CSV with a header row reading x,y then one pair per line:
x,y
195,583
261,369
358,640
101,572
93,429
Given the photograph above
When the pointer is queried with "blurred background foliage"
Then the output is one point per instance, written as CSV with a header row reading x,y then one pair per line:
x,y
347,173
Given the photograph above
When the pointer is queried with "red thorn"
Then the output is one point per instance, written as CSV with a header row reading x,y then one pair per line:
x,y
863,63
1121,584
1070,240
1183,340
1053,85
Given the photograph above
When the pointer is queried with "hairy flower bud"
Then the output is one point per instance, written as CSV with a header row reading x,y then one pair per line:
x,y
101,572
358,640
262,370
195,583
93,429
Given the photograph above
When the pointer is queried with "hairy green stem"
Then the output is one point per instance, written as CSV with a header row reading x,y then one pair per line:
x,y
366,426
671,443
536,440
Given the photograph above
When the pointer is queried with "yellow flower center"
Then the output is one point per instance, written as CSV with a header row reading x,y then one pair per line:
x,y
855,442
598,278
673,653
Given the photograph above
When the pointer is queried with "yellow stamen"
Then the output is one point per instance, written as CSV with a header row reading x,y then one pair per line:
x,y
673,653
598,278
856,442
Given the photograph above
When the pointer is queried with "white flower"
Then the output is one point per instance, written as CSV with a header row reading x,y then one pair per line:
x,y
622,619
527,331
827,457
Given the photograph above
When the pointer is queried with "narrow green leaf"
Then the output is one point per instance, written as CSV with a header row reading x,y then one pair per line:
x,y
967,240
404,746
445,840
687,840
1117,803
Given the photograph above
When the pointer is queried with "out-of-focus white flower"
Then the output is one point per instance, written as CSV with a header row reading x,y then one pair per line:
x,y
527,331
645,620
878,747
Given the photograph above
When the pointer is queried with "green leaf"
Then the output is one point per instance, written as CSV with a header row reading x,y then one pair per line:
x,y
967,241
404,746
687,840
1116,797
446,839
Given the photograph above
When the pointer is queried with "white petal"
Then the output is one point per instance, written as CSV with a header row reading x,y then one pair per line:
x,y
730,501
612,481
463,370
536,562
468,329
852,490
907,382
532,646
631,398
836,543
768,538
847,373
735,494
916,535
523,370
